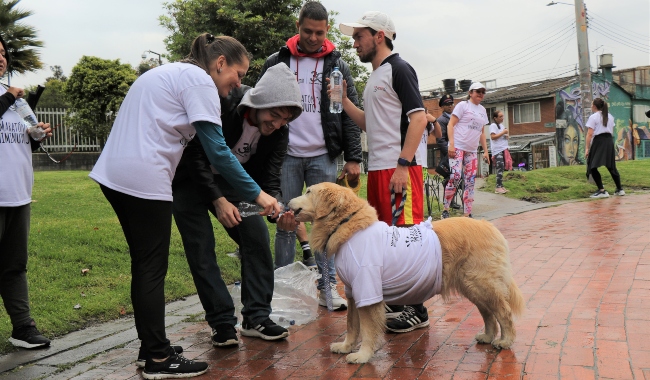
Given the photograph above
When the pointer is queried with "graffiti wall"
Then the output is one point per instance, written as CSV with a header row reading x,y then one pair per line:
x,y
570,126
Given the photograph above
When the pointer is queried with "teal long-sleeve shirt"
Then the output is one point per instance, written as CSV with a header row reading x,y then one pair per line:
x,y
224,161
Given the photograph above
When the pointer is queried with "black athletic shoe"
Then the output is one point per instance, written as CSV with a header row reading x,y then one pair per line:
x,y
28,336
266,330
142,356
409,320
224,334
392,311
455,206
445,215
175,367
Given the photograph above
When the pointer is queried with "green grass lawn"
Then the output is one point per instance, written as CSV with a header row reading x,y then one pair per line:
x,y
74,228
570,182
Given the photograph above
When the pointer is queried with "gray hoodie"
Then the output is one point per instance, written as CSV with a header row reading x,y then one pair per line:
x,y
277,88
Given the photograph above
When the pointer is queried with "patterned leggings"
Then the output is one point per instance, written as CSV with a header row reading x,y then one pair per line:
x,y
499,164
470,166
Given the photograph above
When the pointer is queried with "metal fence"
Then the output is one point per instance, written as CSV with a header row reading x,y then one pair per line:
x,y
63,137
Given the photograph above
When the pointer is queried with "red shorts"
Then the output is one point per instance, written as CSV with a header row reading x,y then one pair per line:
x,y
379,196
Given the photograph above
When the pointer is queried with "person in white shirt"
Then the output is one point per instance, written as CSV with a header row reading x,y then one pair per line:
x,y
164,109
499,145
465,132
16,180
602,151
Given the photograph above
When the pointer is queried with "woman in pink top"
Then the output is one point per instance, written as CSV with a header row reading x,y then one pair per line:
x,y
465,132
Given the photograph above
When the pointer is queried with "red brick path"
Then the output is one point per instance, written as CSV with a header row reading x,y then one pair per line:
x,y
583,268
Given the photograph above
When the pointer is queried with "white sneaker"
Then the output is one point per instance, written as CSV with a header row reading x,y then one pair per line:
x,y
600,194
338,302
620,192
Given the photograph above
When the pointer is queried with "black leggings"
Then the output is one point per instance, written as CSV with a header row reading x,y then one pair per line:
x,y
599,181
147,226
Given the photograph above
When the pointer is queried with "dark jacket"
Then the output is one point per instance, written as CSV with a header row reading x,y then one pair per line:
x,y
443,121
341,134
264,166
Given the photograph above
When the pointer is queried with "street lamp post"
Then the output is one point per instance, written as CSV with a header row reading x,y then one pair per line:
x,y
586,96
144,56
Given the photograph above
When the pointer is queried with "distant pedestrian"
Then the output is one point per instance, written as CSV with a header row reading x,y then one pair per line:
x,y
499,145
601,152
465,132
446,102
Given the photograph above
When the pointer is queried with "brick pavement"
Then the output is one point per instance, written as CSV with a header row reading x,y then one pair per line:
x,y
583,268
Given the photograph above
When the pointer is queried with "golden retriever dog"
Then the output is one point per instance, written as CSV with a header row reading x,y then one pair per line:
x,y
474,259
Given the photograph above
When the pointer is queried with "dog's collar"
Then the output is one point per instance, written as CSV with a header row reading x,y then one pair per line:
x,y
345,220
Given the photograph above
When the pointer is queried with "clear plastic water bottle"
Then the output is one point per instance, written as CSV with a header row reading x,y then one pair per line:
x,y
23,109
247,209
336,95
235,293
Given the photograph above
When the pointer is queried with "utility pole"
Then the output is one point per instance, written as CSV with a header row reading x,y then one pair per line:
x,y
583,61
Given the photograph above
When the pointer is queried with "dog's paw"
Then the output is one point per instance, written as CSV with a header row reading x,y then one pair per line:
x,y
502,343
340,348
484,338
358,358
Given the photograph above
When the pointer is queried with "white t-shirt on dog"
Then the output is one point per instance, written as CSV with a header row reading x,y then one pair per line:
x,y
399,265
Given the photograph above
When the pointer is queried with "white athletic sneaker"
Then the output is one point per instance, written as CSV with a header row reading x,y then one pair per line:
x,y
338,303
600,194
619,192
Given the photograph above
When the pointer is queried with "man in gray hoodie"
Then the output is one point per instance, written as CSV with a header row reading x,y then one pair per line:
x,y
255,128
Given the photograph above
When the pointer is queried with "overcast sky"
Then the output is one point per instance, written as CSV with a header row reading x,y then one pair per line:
x,y
512,41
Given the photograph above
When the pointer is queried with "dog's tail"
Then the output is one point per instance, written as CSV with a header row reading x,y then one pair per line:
x,y
515,299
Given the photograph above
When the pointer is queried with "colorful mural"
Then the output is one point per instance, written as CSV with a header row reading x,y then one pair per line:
x,y
570,128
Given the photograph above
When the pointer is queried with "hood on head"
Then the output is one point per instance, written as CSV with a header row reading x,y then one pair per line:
x,y
277,88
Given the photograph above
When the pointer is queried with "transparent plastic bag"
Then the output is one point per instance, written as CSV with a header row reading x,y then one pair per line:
x,y
294,295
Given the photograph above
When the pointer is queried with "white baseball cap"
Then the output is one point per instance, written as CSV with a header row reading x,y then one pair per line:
x,y
476,86
372,19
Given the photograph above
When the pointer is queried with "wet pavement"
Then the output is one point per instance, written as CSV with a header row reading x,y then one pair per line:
x,y
583,269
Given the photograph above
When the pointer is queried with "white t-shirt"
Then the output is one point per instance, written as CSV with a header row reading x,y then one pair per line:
x,y
153,127
246,146
499,145
391,95
400,265
471,119
16,173
306,136
595,122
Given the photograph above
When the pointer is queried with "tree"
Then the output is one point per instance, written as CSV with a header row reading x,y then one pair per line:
x,y
95,91
54,94
261,26
20,38
57,73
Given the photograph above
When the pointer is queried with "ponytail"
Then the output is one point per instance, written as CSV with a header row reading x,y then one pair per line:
x,y
495,114
601,106
206,48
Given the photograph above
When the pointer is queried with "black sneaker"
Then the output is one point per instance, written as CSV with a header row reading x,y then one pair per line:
x,y
409,320
455,206
266,330
28,336
224,334
470,216
392,311
175,367
445,215
142,356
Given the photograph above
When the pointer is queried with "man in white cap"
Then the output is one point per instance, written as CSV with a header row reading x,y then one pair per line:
x,y
394,119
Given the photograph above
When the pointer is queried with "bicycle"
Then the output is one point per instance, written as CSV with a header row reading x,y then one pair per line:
x,y
433,189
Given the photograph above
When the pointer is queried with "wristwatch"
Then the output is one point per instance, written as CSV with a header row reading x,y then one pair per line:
x,y
403,162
